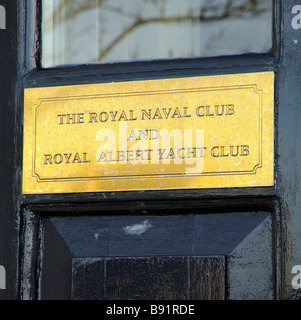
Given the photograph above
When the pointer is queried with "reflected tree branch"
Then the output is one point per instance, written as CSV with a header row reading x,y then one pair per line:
x,y
139,22
210,12
250,6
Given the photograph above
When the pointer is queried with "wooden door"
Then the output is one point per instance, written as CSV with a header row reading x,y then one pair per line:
x,y
214,243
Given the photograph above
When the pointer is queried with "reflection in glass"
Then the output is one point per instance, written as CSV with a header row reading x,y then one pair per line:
x,y
100,31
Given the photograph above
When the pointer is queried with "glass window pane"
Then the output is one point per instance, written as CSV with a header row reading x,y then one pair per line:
x,y
101,31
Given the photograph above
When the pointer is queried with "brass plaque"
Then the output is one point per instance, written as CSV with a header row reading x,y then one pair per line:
x,y
199,132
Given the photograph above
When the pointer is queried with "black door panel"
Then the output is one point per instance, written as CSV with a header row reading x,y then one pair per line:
x,y
210,256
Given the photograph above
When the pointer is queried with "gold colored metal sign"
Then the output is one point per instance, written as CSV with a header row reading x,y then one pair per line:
x,y
200,132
